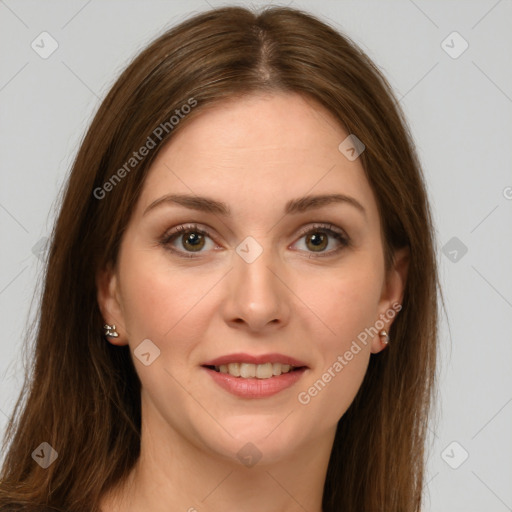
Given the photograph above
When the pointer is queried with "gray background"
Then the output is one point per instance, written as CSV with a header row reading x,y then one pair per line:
x,y
459,110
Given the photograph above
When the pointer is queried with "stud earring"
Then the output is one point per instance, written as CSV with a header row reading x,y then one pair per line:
x,y
110,331
384,337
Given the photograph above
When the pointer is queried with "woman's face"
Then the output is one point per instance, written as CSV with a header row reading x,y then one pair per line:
x,y
245,266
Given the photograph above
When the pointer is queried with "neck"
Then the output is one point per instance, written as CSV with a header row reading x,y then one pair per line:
x,y
173,473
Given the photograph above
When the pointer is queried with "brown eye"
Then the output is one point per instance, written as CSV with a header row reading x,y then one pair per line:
x,y
317,241
318,238
187,240
192,241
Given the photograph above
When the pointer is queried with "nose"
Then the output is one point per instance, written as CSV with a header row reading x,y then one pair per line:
x,y
258,298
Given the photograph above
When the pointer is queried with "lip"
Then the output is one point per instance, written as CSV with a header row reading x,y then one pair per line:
x,y
261,359
254,388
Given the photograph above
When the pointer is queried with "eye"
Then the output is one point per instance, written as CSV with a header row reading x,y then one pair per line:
x,y
186,240
190,239
317,239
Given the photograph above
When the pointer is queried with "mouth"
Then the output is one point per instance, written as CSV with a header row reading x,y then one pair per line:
x,y
249,377
252,371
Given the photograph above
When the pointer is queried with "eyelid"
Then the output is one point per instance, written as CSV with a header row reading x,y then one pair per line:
x,y
339,234
322,226
174,232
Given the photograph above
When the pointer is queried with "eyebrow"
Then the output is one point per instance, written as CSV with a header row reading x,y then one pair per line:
x,y
294,206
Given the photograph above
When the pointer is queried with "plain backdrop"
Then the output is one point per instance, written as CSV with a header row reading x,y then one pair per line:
x,y
458,102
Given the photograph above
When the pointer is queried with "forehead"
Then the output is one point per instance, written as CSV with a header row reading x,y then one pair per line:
x,y
258,151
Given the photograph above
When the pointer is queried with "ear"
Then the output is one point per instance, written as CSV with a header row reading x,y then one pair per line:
x,y
108,295
392,294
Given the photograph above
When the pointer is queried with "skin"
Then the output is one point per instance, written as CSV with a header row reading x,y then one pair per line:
x,y
254,154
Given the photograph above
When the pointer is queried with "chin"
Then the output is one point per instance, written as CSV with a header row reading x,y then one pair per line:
x,y
256,440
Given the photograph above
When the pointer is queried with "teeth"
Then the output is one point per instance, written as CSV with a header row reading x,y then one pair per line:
x,y
247,370
264,371
234,369
250,371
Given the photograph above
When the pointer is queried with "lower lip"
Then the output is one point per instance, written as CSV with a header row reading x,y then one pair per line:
x,y
255,388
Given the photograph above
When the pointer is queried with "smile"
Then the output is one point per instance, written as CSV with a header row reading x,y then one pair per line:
x,y
258,371
255,376
255,387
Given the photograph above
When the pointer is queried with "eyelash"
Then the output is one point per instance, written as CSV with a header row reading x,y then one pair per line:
x,y
169,237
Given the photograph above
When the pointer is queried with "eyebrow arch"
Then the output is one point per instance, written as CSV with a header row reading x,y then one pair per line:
x,y
293,206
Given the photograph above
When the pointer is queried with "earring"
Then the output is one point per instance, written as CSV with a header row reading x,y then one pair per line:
x,y
110,331
384,334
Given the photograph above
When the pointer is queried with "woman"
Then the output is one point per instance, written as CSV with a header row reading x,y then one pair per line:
x,y
240,297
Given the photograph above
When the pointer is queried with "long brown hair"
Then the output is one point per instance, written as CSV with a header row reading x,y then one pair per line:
x,y
82,395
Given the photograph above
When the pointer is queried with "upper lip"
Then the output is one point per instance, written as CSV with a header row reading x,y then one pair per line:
x,y
247,358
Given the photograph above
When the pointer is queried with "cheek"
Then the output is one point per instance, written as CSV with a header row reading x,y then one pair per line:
x,y
345,301
158,298
348,307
